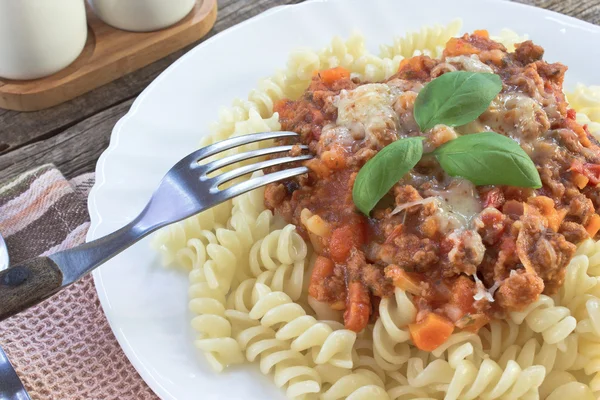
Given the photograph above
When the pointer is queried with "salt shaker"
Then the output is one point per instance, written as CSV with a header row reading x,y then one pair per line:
x,y
141,15
40,37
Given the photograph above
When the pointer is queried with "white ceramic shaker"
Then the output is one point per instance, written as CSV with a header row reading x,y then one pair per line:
x,y
40,37
141,15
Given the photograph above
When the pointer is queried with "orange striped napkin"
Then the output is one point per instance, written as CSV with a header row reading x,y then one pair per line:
x,y
63,349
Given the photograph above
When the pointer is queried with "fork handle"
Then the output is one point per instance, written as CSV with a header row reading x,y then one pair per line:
x,y
27,284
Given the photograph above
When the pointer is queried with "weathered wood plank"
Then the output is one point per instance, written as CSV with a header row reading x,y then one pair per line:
x,y
587,10
73,151
19,129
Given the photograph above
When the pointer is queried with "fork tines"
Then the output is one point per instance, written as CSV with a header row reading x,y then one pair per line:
x,y
204,169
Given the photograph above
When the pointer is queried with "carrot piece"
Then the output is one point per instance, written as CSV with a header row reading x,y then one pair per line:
x,y
482,33
593,226
335,158
407,281
358,308
580,180
459,47
589,170
431,332
461,294
328,76
473,323
571,114
322,269
343,239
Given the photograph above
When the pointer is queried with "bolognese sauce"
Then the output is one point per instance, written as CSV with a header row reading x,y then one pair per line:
x,y
466,253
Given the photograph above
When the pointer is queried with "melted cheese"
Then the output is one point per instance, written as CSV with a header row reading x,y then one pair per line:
x,y
367,111
337,134
517,115
471,64
459,204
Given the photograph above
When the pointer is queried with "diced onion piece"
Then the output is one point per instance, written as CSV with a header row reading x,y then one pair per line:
x,y
482,292
316,225
409,282
404,206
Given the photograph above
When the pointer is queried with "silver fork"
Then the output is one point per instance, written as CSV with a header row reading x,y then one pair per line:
x,y
186,189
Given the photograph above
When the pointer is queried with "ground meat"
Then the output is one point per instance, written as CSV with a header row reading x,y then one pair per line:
x,y
518,290
527,52
416,68
506,259
361,157
374,277
573,232
581,208
275,193
543,252
490,224
593,194
465,254
410,252
406,194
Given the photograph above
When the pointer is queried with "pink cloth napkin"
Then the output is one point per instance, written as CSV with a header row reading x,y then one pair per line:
x,y
62,349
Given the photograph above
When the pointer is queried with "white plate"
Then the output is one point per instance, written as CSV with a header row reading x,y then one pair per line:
x,y
146,304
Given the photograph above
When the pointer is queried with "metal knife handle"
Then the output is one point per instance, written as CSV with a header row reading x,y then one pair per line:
x,y
25,285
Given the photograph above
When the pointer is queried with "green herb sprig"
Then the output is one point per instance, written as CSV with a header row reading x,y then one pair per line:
x,y
383,171
455,98
486,158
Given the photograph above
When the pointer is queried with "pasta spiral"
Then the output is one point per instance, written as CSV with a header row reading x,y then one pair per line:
x,y
562,385
215,258
390,333
330,346
278,261
212,327
290,367
169,240
363,356
268,92
400,389
359,385
429,40
421,374
586,100
555,323
498,335
491,381
577,287
509,38
546,355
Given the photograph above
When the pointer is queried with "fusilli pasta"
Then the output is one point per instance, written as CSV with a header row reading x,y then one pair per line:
x,y
327,345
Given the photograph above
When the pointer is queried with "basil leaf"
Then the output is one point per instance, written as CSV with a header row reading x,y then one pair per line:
x,y
488,158
455,98
383,171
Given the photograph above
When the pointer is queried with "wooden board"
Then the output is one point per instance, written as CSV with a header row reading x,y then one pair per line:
x,y
109,53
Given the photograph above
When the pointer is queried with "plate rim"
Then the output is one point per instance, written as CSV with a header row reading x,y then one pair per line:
x,y
96,220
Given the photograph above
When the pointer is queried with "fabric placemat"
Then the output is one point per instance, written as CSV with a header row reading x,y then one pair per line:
x,y
62,349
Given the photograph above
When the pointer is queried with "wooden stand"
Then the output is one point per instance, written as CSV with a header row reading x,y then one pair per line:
x,y
109,54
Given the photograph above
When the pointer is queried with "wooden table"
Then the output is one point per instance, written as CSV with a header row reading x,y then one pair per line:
x,y
74,134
